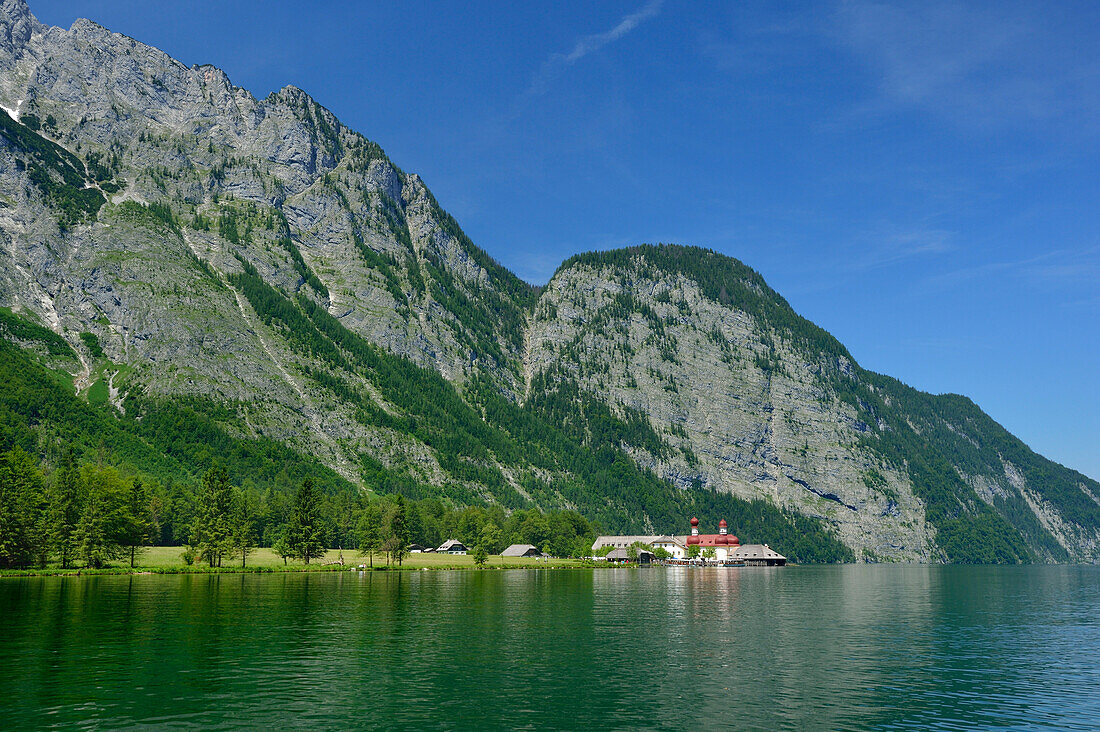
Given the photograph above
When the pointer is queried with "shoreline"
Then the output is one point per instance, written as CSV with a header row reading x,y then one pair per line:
x,y
298,569
168,560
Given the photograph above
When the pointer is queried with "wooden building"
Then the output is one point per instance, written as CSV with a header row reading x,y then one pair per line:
x,y
623,555
758,555
452,546
671,544
521,550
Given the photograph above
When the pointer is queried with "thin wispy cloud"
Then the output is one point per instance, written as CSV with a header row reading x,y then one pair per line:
x,y
977,65
1058,268
595,42
902,246
890,245
590,44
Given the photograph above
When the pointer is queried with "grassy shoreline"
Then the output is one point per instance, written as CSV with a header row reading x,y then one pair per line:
x,y
168,560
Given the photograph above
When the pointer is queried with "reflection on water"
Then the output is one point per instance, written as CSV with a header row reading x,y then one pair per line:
x,y
822,647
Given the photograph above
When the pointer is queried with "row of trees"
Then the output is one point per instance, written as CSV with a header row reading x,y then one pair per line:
x,y
90,515
225,523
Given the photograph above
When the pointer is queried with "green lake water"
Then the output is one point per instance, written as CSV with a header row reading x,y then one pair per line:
x,y
849,647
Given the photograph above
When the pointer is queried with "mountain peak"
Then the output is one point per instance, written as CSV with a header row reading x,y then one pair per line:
x,y
17,24
11,10
293,96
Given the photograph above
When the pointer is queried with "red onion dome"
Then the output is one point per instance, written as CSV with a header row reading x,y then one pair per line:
x,y
722,524
731,539
695,522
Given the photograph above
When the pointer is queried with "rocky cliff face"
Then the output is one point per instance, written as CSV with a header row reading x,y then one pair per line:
x,y
744,396
735,406
277,183
188,239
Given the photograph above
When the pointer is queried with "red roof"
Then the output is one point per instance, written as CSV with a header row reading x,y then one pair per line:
x,y
713,540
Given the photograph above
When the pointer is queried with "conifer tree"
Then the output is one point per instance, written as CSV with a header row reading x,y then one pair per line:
x,y
137,522
398,541
22,503
343,517
243,524
305,534
101,518
210,533
64,511
415,523
369,530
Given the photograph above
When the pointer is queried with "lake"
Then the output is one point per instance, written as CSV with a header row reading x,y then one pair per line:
x,y
839,647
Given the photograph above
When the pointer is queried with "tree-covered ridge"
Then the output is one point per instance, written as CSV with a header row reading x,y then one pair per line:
x,y
723,279
167,443
603,482
505,303
942,440
470,452
523,294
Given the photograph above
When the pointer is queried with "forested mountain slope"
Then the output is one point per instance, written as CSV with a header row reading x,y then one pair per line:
x,y
190,272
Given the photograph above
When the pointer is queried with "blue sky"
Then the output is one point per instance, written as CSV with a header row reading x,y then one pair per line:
x,y
918,178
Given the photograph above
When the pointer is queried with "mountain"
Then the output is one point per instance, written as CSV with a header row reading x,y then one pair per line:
x,y
189,273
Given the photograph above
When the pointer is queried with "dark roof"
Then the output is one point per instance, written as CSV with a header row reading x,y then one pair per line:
x,y
624,541
757,551
621,554
520,550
